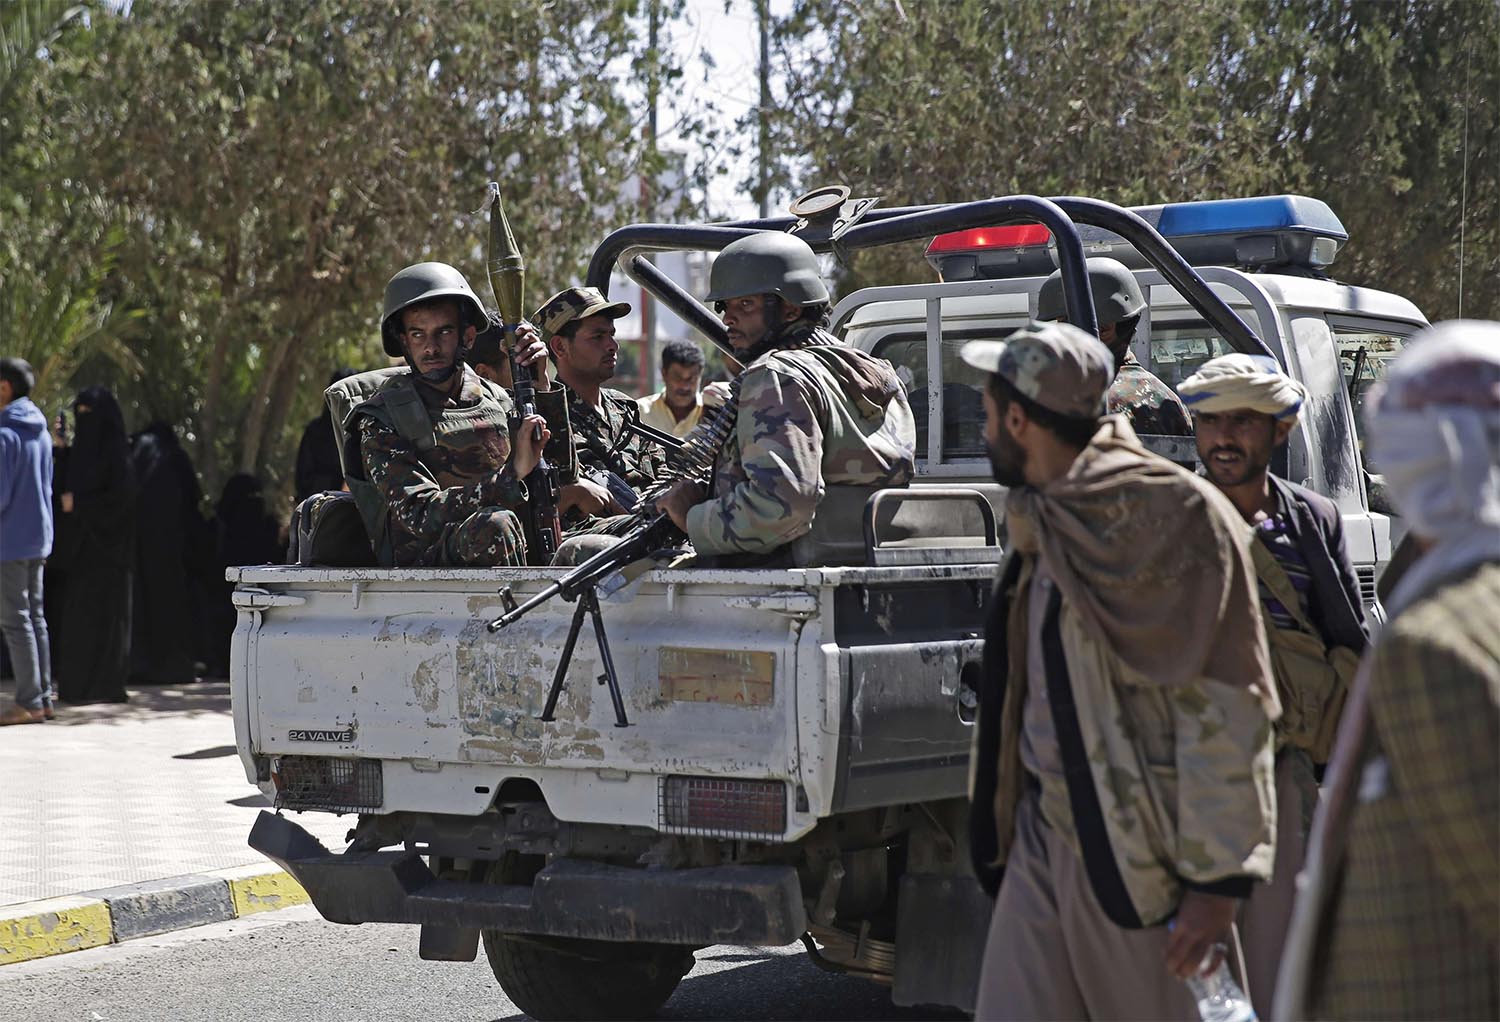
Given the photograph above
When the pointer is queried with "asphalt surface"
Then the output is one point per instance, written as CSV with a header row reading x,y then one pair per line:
x,y
291,966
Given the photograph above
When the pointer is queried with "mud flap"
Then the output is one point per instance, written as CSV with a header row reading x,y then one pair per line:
x,y
942,920
448,943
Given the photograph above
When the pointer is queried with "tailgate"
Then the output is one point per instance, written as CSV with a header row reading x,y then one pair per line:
x,y
398,667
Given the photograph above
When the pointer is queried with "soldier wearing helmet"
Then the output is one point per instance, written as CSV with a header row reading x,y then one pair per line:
x,y
441,473
1135,392
815,418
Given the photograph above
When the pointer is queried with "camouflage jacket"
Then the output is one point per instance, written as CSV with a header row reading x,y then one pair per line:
x,y
1182,793
432,495
809,417
1150,404
602,441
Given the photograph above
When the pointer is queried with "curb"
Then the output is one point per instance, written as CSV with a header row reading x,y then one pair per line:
x,y
39,929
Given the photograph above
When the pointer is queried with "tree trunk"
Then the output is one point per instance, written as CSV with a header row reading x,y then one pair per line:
x,y
255,422
283,400
208,417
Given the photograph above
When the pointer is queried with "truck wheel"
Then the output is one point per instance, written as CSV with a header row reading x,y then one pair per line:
x,y
561,980
555,979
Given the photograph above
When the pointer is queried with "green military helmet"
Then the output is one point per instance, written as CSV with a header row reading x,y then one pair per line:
x,y
419,282
768,263
1117,296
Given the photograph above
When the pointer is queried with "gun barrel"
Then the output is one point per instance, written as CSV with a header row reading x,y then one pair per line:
x,y
510,617
633,545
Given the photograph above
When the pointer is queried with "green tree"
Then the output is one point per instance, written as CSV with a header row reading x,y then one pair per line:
x,y
279,162
58,245
1358,103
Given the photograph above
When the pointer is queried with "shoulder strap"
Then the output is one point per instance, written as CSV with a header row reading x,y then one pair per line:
x,y
409,416
1270,571
1099,862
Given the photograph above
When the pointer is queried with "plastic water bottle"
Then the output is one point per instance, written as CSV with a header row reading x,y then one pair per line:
x,y
1219,997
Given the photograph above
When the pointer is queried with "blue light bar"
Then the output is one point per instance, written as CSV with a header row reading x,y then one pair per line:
x,y
1267,213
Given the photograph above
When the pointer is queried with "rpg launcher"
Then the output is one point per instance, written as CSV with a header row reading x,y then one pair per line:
x,y
507,276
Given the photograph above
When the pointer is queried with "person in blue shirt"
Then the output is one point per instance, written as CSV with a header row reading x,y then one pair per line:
x,y
25,541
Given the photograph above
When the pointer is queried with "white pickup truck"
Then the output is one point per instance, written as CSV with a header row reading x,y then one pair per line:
x,y
793,764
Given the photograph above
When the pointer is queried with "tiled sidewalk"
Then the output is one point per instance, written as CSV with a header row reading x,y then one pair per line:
x,y
110,795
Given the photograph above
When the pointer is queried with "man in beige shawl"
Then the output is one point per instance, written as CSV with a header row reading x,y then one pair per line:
x,y
1122,798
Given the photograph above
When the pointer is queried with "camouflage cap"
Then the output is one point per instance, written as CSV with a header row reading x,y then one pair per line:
x,y
1056,365
576,303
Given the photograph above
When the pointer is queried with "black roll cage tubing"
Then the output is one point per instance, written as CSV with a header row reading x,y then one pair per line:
x,y
913,223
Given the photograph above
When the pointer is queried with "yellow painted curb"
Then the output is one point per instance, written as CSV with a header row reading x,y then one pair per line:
x,y
252,890
36,929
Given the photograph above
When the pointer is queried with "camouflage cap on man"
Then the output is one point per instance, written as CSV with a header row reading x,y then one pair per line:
x,y
575,303
1056,365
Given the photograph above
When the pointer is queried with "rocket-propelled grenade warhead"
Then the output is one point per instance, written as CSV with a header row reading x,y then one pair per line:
x,y
507,270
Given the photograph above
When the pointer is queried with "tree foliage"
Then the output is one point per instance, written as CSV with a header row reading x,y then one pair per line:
x,y
276,164
1361,104
58,246
201,202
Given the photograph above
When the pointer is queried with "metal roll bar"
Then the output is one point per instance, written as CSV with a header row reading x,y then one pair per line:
x,y
909,223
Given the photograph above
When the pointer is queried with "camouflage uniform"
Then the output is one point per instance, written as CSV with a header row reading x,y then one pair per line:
x,y
1150,404
602,441
602,444
1182,778
450,505
813,414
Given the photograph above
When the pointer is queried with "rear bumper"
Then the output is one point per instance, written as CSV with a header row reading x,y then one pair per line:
x,y
753,905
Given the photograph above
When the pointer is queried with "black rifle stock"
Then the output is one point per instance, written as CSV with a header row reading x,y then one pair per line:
x,y
507,276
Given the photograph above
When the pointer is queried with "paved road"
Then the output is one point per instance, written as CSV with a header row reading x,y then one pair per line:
x,y
291,966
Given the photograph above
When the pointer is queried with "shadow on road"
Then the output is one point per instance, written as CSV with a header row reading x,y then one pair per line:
x,y
212,752
777,987
191,700
256,801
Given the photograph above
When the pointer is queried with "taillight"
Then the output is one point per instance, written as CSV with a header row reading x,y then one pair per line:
x,y
323,782
721,807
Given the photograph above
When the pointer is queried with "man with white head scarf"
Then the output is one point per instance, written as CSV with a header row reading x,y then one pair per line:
x,y
1399,915
1244,407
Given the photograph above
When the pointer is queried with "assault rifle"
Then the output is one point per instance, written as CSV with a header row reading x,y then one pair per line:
x,y
507,275
652,531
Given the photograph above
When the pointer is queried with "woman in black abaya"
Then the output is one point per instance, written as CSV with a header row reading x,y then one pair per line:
x,y
98,503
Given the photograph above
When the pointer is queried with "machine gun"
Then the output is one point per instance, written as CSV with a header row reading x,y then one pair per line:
x,y
650,531
507,276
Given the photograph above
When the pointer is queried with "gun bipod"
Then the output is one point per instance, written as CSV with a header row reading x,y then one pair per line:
x,y
588,604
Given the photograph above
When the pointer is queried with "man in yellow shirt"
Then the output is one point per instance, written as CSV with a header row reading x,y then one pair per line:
x,y
678,407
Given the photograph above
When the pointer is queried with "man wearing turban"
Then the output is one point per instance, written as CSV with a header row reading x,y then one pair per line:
x,y
1399,912
1244,407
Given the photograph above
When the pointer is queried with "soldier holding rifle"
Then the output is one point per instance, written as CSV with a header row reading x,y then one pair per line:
x,y
579,325
445,476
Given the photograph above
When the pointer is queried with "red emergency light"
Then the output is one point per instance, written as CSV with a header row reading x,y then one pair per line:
x,y
978,238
